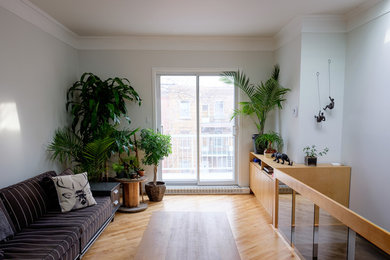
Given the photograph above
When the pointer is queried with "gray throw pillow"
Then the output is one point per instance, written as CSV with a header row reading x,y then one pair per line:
x,y
5,228
73,191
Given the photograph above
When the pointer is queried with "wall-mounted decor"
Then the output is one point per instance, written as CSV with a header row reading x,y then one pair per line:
x,y
330,106
320,117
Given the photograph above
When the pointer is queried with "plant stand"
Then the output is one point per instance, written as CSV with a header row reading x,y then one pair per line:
x,y
131,191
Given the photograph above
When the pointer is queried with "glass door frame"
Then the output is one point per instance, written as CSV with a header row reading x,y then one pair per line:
x,y
157,120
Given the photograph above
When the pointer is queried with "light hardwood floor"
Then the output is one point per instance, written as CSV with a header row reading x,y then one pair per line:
x,y
254,236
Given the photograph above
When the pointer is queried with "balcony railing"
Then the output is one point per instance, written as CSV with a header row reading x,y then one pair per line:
x,y
216,155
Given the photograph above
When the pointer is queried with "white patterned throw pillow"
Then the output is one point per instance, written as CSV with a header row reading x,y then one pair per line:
x,y
73,191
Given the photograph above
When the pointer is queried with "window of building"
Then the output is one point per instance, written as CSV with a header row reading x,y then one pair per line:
x,y
185,109
218,110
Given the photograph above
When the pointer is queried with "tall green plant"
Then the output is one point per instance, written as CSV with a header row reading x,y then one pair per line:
x,y
94,102
263,97
156,146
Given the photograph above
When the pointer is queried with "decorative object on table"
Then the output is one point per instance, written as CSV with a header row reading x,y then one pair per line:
x,y
312,154
96,107
320,117
330,106
269,140
263,98
283,157
156,146
73,191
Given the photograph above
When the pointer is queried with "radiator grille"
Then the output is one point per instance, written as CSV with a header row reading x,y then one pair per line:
x,y
232,189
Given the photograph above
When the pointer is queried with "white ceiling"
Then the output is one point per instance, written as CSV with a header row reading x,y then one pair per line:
x,y
186,17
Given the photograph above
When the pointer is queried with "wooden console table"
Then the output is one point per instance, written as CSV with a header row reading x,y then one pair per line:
x,y
332,181
130,197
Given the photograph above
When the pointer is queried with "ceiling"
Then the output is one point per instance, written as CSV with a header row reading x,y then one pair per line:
x,y
186,17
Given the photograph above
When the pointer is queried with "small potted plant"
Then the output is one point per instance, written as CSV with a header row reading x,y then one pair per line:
x,y
269,140
156,146
141,171
312,154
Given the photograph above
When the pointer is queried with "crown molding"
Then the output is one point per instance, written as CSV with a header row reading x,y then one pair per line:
x,y
367,12
303,24
310,24
181,43
32,14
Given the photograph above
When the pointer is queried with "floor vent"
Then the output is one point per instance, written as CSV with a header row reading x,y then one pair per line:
x,y
232,189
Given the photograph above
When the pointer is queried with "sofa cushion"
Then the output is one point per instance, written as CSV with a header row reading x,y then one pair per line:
x,y
7,229
88,220
25,201
43,243
51,192
73,191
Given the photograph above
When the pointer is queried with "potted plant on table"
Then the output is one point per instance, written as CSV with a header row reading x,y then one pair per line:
x,y
312,154
269,140
156,146
263,98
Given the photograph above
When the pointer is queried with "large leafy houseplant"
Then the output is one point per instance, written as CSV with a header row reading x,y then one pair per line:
x,y
156,146
263,97
94,103
97,108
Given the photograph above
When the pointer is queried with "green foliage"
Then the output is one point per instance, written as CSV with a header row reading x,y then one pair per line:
x,y
312,151
117,167
263,97
156,146
67,147
270,140
96,107
94,102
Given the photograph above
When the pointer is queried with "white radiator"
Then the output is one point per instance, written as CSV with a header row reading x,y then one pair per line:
x,y
186,189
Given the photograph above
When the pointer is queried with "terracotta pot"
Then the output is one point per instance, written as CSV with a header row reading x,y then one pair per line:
x,y
141,173
155,192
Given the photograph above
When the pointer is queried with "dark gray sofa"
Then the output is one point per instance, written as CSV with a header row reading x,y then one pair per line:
x,y
41,230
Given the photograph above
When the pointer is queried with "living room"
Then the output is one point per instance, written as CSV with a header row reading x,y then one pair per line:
x,y
326,49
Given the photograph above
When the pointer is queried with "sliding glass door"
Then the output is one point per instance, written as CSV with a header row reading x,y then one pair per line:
x,y
196,111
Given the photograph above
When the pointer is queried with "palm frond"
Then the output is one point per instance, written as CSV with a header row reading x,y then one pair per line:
x,y
66,146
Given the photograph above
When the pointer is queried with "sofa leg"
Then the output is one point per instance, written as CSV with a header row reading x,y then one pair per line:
x,y
112,220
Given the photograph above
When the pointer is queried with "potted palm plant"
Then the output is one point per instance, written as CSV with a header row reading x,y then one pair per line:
x,y
312,154
269,140
263,98
156,146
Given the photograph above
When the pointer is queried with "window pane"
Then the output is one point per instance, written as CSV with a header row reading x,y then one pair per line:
x,y
216,130
178,118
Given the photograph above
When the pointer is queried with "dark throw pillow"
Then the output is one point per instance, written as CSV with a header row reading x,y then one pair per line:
x,y
73,191
6,227
51,192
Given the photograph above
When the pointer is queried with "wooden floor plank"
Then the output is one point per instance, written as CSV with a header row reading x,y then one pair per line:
x,y
255,238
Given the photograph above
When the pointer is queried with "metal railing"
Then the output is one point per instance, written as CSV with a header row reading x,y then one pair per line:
x,y
216,153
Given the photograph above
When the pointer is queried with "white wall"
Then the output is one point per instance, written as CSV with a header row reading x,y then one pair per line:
x,y
317,48
289,58
137,67
366,128
35,70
